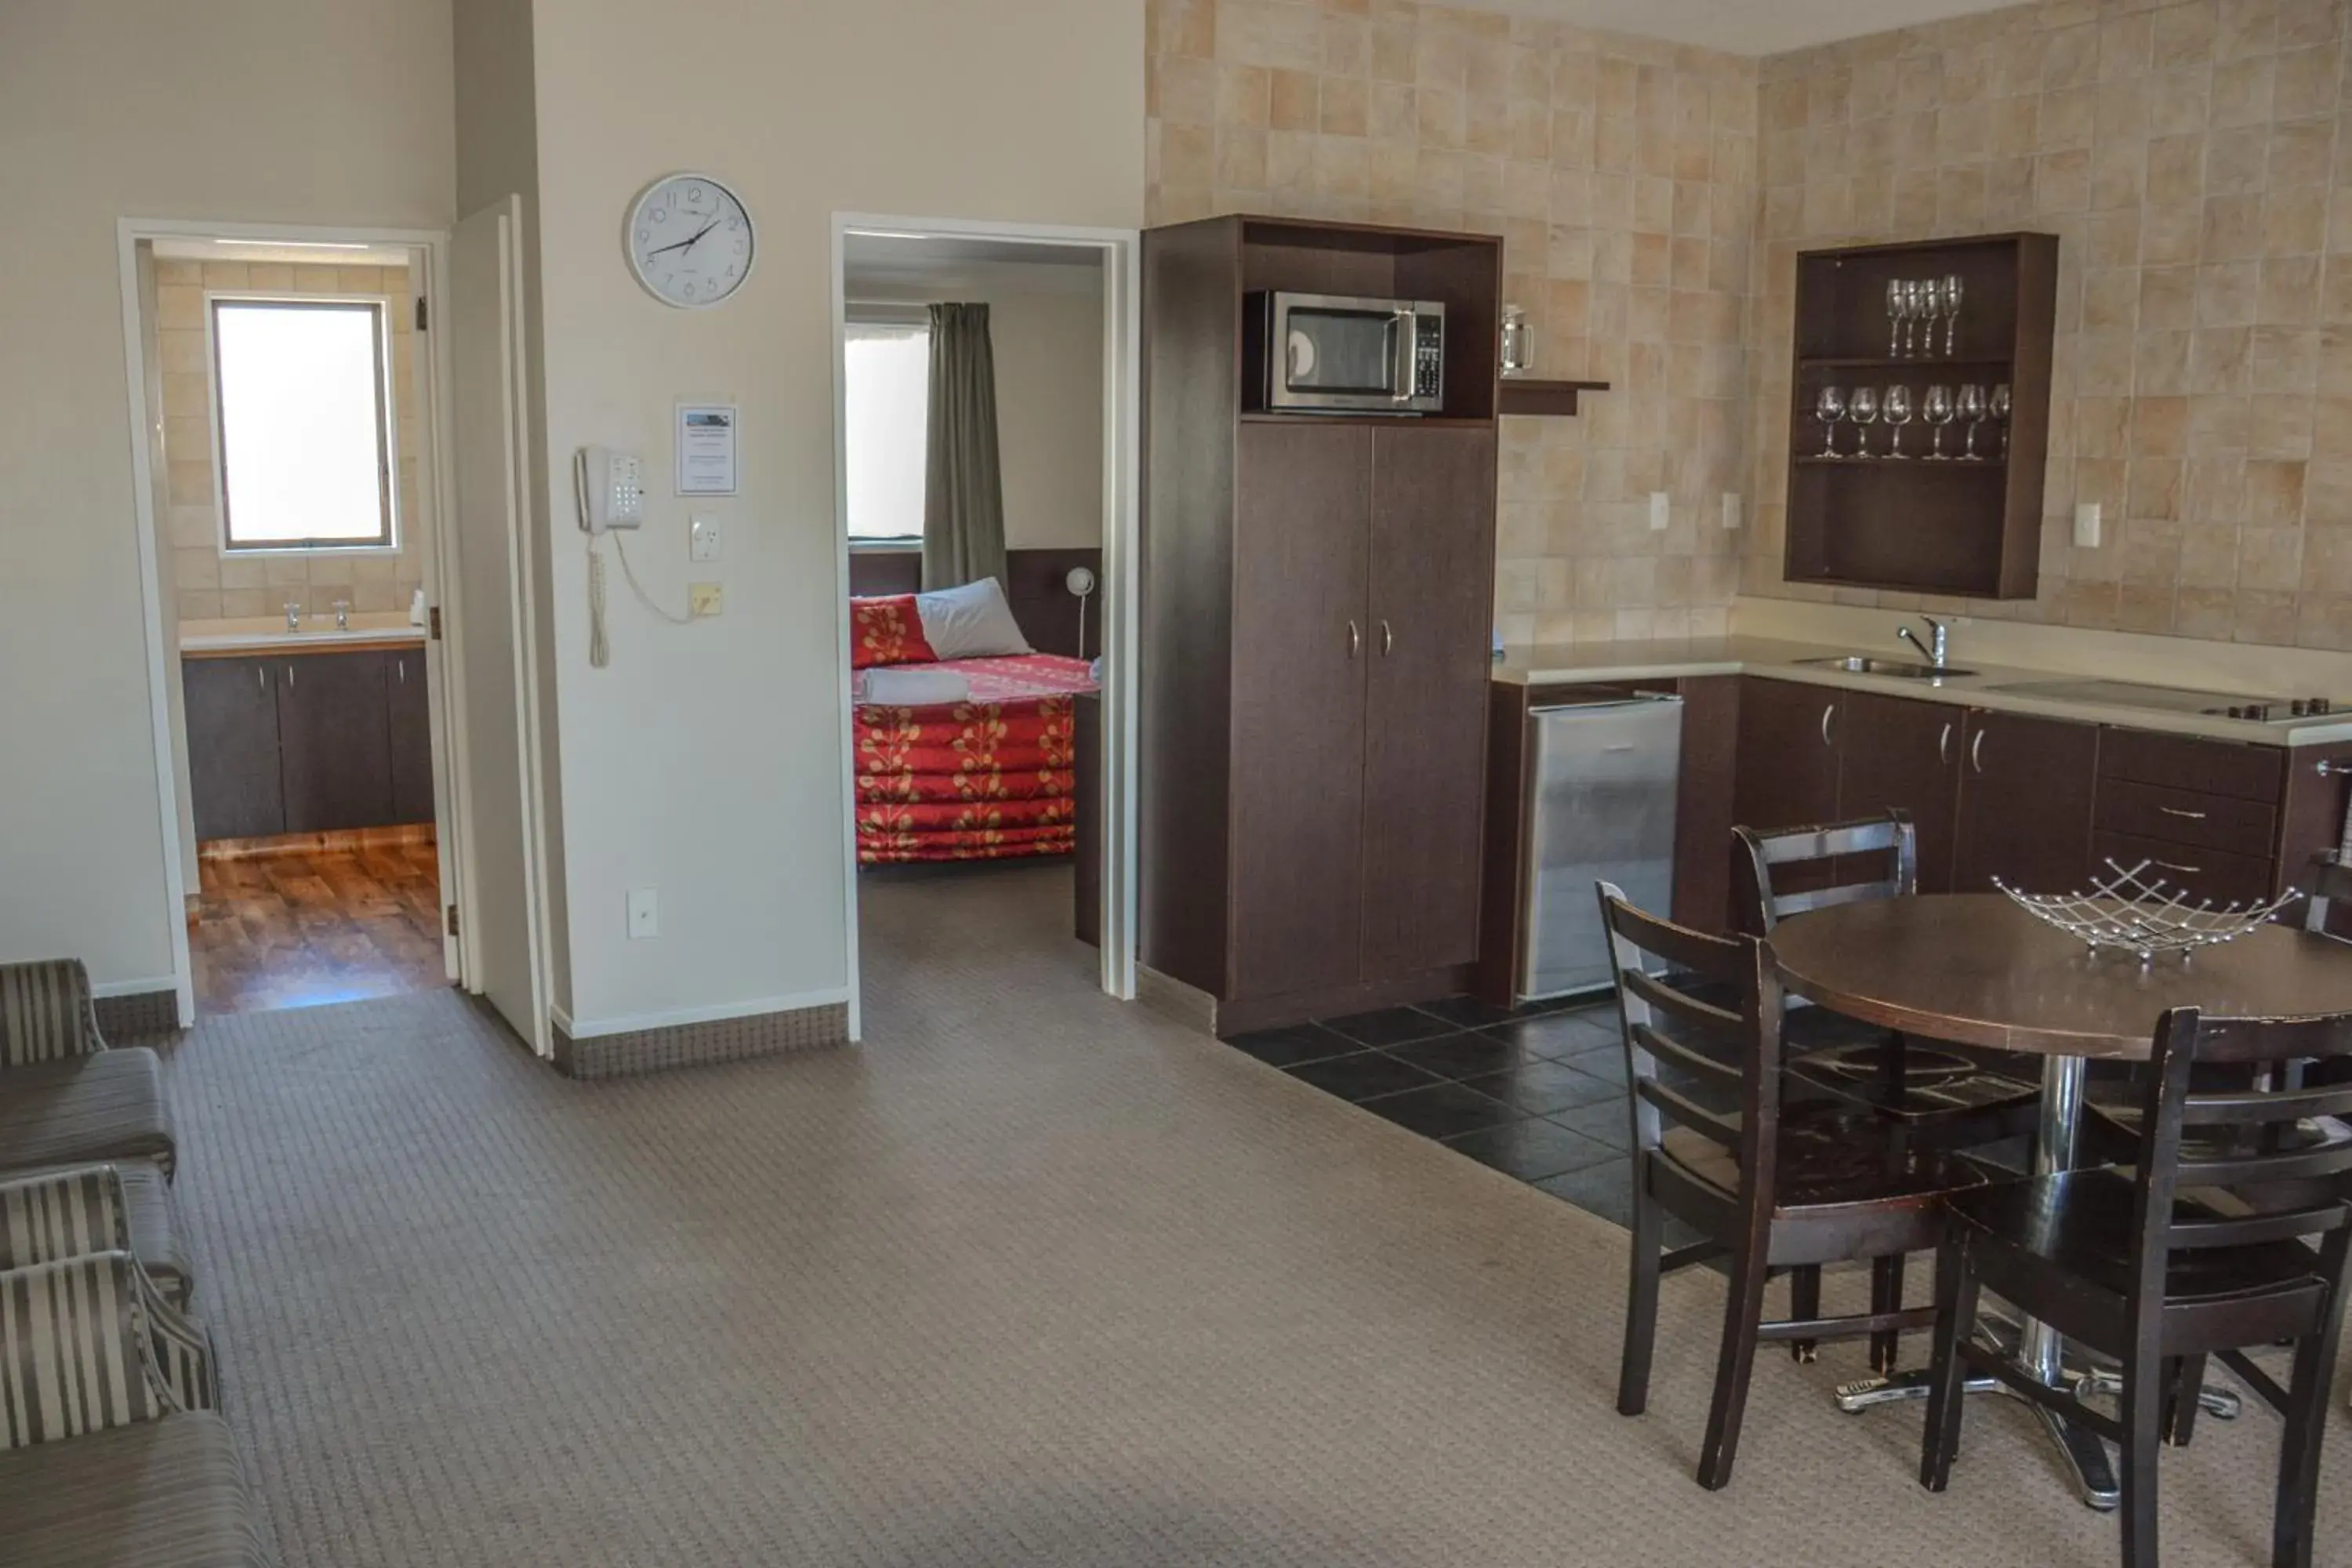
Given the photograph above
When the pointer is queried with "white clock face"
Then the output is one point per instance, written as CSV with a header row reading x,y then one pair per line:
x,y
691,241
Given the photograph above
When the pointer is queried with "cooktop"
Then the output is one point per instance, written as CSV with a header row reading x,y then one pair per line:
x,y
2178,700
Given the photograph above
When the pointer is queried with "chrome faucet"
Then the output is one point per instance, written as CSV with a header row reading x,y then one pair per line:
x,y
293,617
1937,647
342,614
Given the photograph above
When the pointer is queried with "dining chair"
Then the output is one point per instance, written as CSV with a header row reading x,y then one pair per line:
x,y
1774,1185
1943,1094
2227,1233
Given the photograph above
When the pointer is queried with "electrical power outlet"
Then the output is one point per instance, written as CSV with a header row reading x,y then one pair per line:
x,y
704,600
2086,525
705,541
1661,510
645,914
1731,509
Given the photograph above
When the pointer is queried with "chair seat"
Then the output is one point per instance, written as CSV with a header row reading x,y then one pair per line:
x,y
79,1110
2081,1221
1834,1156
156,1494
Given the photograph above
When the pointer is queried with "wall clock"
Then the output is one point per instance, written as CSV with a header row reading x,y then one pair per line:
x,y
690,241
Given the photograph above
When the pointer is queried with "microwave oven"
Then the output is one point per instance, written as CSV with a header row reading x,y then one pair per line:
x,y
1335,354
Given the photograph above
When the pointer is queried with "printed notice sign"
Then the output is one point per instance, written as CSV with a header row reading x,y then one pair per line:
x,y
705,448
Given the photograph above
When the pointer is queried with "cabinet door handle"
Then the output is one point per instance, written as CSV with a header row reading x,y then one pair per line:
x,y
1388,641
1944,744
261,679
1826,712
289,678
1976,752
402,666
2176,811
1355,639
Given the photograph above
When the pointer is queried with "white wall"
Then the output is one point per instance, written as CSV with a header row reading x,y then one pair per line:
x,y
237,109
705,762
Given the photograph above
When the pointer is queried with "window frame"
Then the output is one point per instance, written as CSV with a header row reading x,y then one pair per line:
x,y
387,441
886,317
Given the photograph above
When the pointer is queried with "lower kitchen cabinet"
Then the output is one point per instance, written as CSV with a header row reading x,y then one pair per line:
x,y
1899,754
2025,803
308,743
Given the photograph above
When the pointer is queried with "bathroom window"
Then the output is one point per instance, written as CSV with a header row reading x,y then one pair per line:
x,y
301,395
886,386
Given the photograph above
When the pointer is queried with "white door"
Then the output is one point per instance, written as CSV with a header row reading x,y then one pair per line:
x,y
492,629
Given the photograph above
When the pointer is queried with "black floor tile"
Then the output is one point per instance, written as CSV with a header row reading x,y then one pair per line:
x,y
1609,1122
1553,1035
1299,1043
1390,1027
1441,1110
1542,1087
1362,1076
1605,1189
1533,1150
1468,1011
1463,1056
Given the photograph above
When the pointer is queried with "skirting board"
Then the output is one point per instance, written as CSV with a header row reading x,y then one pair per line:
x,y
135,1014
701,1043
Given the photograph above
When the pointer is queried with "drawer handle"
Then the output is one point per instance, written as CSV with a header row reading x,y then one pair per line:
x,y
2176,811
2184,870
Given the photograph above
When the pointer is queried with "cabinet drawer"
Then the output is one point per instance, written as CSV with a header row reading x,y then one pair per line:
x,y
2205,873
2184,763
2179,816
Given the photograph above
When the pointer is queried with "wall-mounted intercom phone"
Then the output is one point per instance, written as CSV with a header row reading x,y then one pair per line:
x,y
611,487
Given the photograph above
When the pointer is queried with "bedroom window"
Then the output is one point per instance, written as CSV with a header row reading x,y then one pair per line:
x,y
886,388
304,429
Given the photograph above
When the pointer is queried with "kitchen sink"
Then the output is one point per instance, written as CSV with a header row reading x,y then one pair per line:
x,y
1863,664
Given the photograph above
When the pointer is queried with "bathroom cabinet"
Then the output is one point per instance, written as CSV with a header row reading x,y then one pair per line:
x,y
305,742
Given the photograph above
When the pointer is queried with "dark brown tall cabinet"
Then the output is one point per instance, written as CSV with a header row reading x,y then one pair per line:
x,y
1317,609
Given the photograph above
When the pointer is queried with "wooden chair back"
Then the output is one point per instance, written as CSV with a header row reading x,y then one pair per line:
x,y
1770,892
1677,1039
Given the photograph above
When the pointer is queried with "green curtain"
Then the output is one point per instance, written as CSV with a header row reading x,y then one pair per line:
x,y
964,487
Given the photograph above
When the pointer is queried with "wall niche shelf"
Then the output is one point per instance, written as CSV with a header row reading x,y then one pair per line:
x,y
1556,399
1967,528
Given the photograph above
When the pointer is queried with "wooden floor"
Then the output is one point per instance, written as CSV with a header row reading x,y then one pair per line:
x,y
297,929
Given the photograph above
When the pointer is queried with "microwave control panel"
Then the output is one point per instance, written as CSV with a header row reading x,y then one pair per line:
x,y
1429,356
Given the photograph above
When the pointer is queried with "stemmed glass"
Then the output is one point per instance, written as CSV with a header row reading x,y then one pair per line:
x,y
1937,412
1898,414
2001,414
1972,410
1923,315
1863,408
1898,311
1948,297
1829,408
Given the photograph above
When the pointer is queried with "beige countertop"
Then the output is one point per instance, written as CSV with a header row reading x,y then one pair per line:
x,y
1985,686
267,634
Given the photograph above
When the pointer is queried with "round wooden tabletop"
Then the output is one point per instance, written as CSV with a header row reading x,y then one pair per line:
x,y
1975,969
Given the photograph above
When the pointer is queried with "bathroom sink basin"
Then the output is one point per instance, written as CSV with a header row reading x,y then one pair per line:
x,y
1863,664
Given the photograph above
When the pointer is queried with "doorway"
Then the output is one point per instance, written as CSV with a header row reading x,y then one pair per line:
x,y
1036,630
291,490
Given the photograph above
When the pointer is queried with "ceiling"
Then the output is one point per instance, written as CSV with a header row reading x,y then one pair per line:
x,y
1751,26
261,250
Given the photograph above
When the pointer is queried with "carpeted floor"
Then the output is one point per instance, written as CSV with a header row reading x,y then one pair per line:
x,y
1030,1278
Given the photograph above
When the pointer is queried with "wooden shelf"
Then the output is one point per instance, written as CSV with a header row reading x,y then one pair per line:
x,y
1388,421
1914,361
1881,460
1525,394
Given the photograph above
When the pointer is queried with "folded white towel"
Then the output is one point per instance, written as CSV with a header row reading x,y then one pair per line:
x,y
912,688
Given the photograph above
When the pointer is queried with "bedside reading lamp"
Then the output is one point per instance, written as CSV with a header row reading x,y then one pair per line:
x,y
1080,581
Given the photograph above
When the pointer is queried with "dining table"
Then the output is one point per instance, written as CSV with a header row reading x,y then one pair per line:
x,y
1975,969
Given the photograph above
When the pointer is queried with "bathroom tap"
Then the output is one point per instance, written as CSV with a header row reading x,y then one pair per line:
x,y
342,614
293,617
1939,644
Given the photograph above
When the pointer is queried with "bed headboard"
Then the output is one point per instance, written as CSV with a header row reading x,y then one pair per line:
x,y
1046,609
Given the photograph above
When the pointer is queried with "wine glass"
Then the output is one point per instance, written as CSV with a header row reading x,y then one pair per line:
x,y
1972,411
1898,306
1898,408
1829,408
1863,409
1948,297
1937,412
1919,320
2001,414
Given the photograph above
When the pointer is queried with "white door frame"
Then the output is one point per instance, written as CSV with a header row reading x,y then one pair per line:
x,y
1122,256
432,382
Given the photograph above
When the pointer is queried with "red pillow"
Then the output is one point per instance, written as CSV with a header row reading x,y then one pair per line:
x,y
887,631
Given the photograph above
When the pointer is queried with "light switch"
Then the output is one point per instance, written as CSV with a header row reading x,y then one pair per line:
x,y
645,914
704,600
1661,510
1731,509
705,539
2086,525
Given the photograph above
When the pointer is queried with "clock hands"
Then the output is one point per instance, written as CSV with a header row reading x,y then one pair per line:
x,y
683,243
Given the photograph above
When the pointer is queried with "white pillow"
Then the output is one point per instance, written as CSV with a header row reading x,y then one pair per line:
x,y
970,622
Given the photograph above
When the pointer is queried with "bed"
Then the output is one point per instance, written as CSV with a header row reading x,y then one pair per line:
x,y
988,778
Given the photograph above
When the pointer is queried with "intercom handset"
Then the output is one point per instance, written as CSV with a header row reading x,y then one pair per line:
x,y
611,487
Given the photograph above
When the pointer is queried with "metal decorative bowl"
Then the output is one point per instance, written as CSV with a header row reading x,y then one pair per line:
x,y
2144,914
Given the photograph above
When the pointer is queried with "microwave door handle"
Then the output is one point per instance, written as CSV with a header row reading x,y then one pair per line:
x,y
1400,370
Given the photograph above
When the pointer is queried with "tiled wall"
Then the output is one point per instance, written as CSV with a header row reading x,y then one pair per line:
x,y
212,586
2193,160
1621,173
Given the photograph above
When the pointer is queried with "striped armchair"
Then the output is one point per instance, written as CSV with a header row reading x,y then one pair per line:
x,y
96,1208
110,1455
65,1097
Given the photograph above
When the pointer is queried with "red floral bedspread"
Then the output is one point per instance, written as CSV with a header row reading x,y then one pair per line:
x,y
989,778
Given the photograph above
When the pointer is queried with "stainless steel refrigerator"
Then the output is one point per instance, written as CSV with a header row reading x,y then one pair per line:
x,y
1601,806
